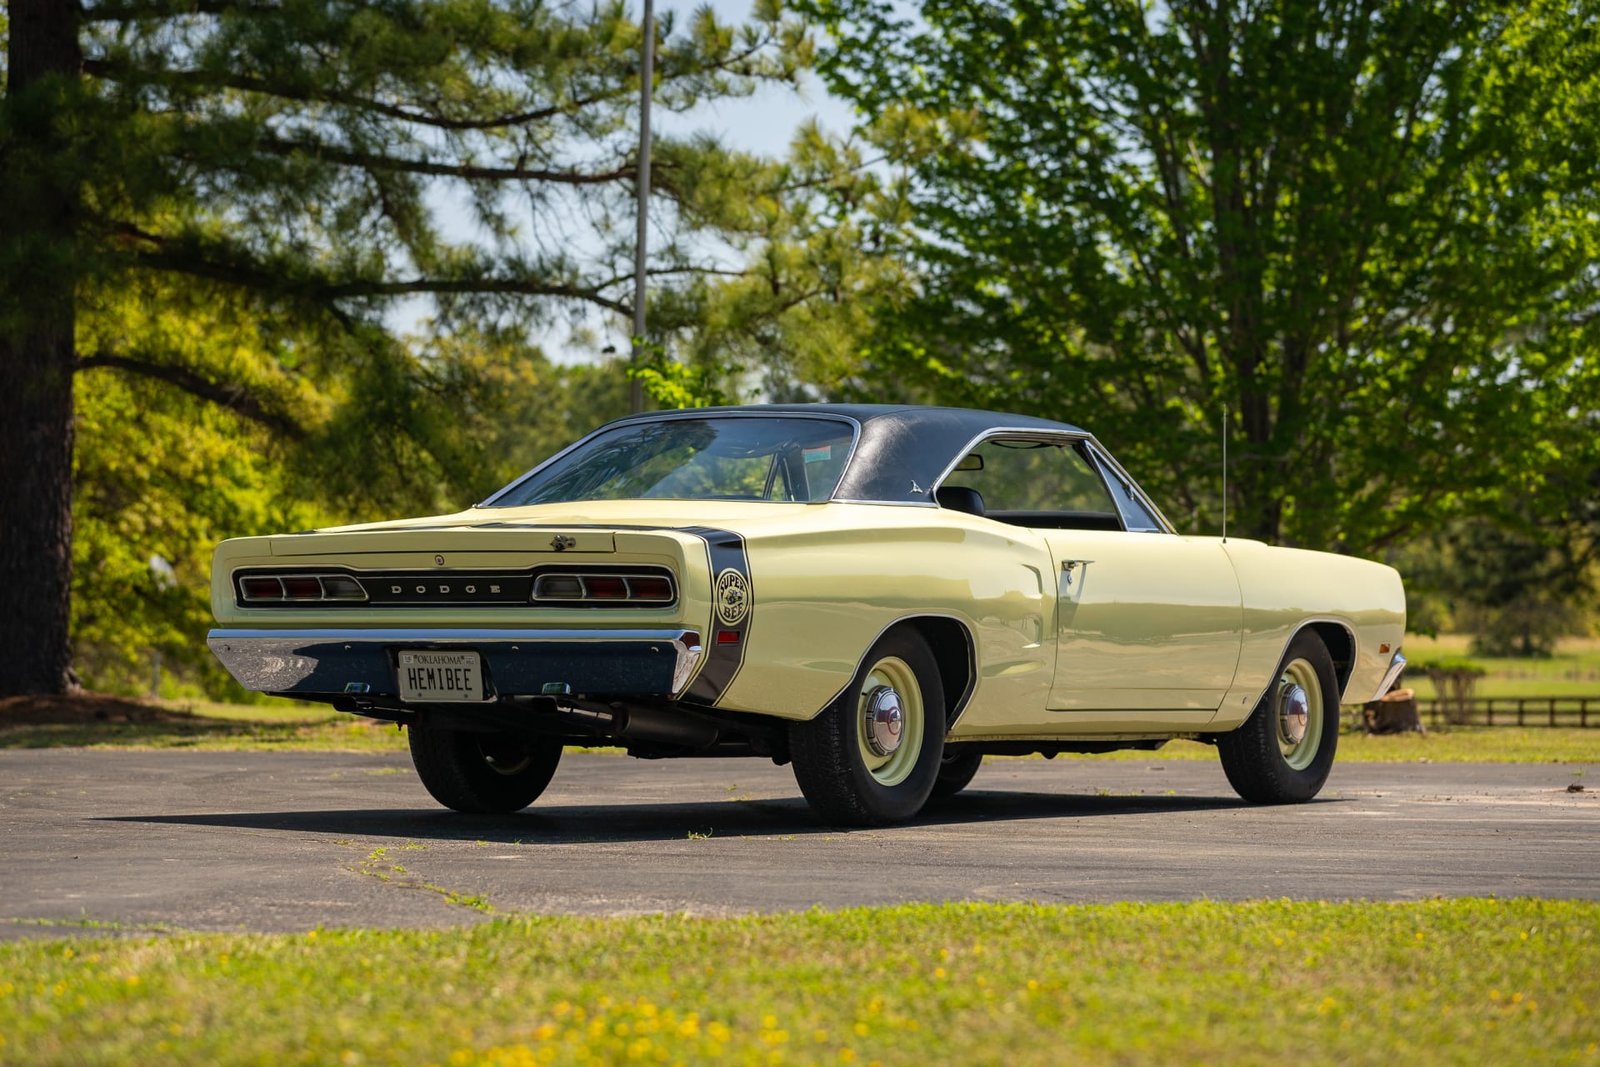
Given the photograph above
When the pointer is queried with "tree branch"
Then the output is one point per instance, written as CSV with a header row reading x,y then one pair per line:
x,y
231,395
511,286
201,79
185,256
133,12
379,161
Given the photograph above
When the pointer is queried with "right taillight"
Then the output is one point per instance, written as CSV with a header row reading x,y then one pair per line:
x,y
650,588
620,589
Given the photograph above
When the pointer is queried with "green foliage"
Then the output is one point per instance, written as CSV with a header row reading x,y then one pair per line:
x,y
1452,981
824,236
1368,231
671,384
1516,590
1455,683
258,197
1453,665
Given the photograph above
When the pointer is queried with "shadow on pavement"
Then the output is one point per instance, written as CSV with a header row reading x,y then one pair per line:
x,y
601,823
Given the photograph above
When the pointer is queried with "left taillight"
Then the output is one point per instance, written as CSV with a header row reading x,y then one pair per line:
x,y
299,589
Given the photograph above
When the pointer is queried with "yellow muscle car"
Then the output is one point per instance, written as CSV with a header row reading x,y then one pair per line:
x,y
879,595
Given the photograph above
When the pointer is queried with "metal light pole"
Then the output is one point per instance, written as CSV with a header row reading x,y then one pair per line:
x,y
642,205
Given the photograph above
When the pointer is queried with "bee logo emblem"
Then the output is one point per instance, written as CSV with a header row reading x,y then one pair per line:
x,y
732,597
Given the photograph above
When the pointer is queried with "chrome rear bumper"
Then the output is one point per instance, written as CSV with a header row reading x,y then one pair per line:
x,y
335,662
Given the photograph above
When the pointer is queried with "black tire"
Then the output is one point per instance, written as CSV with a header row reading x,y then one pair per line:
x,y
482,772
1263,765
955,772
831,753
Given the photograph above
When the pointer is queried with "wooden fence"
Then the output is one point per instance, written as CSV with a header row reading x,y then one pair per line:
x,y
1511,711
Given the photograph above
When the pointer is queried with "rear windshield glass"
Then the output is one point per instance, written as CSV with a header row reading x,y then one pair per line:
x,y
759,458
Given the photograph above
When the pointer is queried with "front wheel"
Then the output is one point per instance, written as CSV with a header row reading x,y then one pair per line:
x,y
873,755
482,772
1284,751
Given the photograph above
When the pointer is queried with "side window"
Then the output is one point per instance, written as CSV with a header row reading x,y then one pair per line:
x,y
1030,482
1135,516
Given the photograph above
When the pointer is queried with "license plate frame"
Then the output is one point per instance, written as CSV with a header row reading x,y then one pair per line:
x,y
440,676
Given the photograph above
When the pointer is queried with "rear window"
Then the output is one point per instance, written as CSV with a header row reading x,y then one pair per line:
x,y
784,458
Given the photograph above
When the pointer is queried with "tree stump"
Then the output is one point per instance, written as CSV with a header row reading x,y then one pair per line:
x,y
1393,713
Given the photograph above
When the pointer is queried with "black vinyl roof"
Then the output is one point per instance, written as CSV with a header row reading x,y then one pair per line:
x,y
903,448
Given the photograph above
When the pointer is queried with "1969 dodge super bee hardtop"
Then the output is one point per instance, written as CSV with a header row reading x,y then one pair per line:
x,y
879,595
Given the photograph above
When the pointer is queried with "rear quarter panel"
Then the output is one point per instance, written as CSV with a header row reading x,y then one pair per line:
x,y
1286,588
824,591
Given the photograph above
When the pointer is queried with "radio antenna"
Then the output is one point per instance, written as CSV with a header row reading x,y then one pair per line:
x,y
1224,474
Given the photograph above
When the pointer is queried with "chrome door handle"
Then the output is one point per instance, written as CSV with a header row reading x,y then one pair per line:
x,y
1068,566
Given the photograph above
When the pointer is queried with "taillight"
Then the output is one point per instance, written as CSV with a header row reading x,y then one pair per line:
x,y
261,588
558,587
342,587
605,587
646,587
299,589
613,588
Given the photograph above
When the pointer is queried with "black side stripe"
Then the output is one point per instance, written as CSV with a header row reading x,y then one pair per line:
x,y
723,661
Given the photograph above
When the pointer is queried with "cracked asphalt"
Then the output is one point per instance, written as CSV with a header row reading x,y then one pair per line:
x,y
288,841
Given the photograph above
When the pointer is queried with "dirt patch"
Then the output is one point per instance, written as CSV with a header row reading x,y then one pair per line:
x,y
82,709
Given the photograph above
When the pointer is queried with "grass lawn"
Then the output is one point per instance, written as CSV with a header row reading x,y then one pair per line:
x,y
203,725
1461,981
1458,744
1573,671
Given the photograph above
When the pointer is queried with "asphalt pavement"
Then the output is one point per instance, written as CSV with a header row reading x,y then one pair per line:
x,y
290,841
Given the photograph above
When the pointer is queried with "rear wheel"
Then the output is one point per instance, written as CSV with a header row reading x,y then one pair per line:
x,y
482,772
955,772
1284,751
873,755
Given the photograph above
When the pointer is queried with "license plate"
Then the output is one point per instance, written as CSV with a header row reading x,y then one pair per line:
x,y
441,677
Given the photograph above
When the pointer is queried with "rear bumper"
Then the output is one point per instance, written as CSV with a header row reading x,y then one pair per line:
x,y
597,662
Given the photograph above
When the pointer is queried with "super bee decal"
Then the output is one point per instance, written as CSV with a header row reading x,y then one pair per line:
x,y
731,593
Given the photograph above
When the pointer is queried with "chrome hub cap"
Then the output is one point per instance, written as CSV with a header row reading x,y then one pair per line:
x,y
1294,712
883,721
1302,711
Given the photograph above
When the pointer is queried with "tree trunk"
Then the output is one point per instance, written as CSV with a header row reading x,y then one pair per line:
x,y
38,171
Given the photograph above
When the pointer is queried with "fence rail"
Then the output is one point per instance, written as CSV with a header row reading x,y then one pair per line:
x,y
1513,711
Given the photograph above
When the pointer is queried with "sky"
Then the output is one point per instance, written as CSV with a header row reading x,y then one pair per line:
x,y
763,122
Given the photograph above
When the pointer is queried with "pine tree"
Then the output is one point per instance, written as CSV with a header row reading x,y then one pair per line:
x,y
306,166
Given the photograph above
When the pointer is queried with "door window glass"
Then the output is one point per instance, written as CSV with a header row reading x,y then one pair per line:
x,y
1135,516
1021,479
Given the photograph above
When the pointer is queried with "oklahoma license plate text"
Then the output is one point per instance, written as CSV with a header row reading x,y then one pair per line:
x,y
440,676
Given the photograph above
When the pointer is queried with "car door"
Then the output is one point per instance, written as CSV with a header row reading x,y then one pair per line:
x,y
1146,620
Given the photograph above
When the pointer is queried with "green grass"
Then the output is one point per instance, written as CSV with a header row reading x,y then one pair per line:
x,y
1573,671
1457,744
222,727
1461,981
